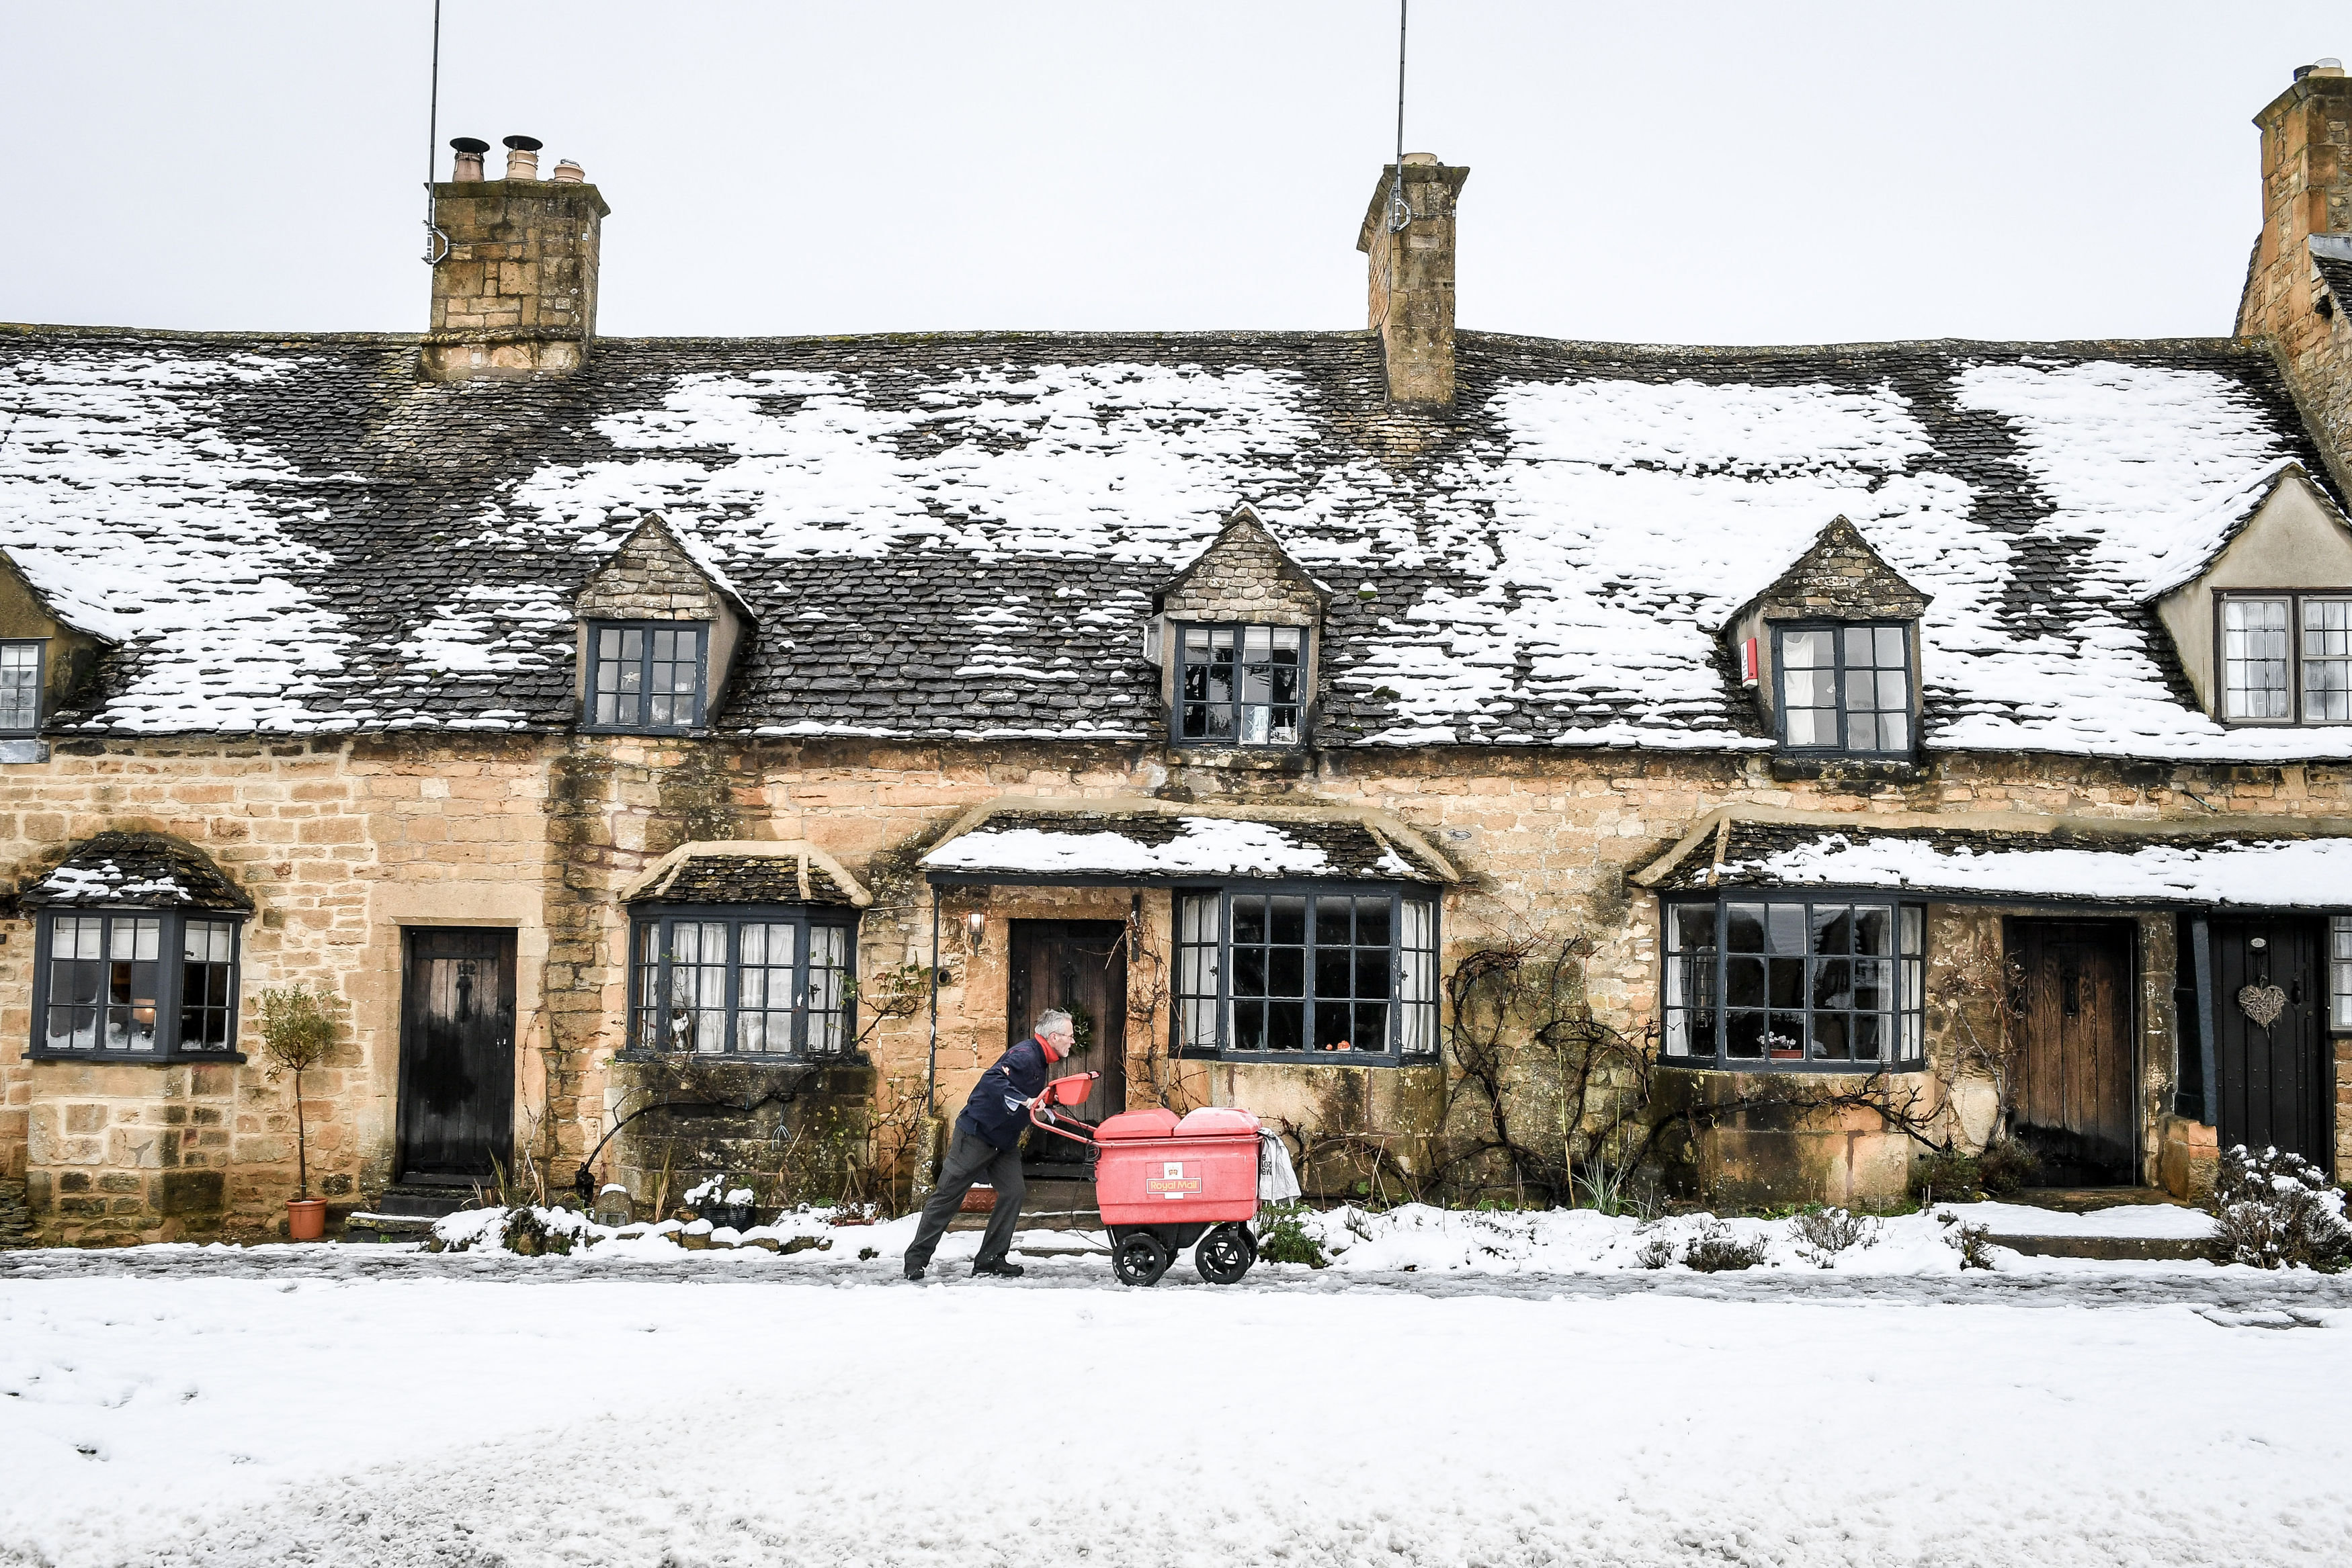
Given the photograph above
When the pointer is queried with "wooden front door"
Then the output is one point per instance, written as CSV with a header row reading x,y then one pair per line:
x,y
1079,966
2074,1102
456,1055
2275,1084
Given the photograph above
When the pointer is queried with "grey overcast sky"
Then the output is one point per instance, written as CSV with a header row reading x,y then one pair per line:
x,y
1693,173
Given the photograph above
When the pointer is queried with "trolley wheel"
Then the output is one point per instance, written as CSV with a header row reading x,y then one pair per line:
x,y
1139,1259
1225,1254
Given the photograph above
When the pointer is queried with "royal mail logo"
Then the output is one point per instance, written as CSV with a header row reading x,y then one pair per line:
x,y
1172,1186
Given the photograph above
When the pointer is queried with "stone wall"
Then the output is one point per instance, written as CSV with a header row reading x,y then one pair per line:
x,y
2307,169
516,295
343,843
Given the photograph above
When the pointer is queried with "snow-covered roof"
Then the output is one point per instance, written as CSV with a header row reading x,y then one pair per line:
x,y
958,535
1143,845
133,871
2258,869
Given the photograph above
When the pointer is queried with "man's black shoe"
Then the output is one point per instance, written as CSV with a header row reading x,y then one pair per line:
x,y
914,1270
1001,1269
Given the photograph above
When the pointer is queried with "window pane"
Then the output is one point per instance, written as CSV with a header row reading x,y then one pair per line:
x,y
1333,923
1286,1026
1743,929
2339,969
77,982
2254,658
206,1002
20,686
1892,653
1810,727
1806,650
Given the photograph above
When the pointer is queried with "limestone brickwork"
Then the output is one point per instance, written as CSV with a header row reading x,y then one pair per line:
x,y
1244,575
1412,279
344,843
2307,169
516,295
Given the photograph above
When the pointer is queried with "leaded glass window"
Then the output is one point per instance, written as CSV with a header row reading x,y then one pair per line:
x,y
728,981
2286,658
1240,685
137,984
1846,688
2254,660
647,676
1306,972
1762,983
20,687
2339,973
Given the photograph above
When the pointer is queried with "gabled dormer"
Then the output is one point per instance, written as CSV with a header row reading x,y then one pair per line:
x,y
46,662
1831,651
660,631
2262,622
1235,635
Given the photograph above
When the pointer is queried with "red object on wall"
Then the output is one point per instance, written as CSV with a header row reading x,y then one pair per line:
x,y
1749,673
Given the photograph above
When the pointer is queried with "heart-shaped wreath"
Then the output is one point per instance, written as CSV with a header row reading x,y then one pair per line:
x,y
2261,1003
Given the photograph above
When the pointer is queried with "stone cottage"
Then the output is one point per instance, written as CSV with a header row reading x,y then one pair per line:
x,y
1485,756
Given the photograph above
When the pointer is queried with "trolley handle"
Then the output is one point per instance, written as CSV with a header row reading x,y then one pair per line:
x,y
1074,1090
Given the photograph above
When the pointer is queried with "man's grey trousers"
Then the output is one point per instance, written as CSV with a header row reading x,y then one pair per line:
x,y
971,1158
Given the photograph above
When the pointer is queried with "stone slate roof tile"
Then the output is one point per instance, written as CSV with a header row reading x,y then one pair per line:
x,y
134,871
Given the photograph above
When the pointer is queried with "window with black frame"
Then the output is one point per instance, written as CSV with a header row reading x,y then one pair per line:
x,y
708,980
647,676
136,984
20,686
1845,689
1240,685
2286,658
1795,983
1306,972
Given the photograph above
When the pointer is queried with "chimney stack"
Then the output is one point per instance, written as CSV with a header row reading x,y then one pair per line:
x,y
2299,283
515,298
1412,278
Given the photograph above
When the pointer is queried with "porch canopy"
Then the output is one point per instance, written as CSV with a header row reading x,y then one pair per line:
x,y
2268,865
134,871
1145,843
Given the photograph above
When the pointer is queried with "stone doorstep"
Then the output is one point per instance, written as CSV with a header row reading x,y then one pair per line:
x,y
2084,1200
372,1228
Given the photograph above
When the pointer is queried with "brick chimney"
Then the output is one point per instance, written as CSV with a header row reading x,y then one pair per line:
x,y
1413,279
515,298
2299,283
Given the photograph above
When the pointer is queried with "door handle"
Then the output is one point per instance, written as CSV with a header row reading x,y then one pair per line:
x,y
2294,992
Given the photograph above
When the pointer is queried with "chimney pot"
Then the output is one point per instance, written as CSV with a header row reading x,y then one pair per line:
x,y
1421,160
467,164
2326,66
567,172
522,157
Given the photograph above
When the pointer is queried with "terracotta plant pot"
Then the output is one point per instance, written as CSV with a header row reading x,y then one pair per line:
x,y
305,1217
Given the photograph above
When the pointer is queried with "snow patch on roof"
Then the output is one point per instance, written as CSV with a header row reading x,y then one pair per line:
x,y
484,630
1207,846
137,520
2305,874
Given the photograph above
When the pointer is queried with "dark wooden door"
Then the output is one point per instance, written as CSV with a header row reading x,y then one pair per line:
x,y
2274,1082
456,1055
2074,1102
1079,966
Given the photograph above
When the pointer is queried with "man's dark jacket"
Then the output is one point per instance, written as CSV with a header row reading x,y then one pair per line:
x,y
998,1109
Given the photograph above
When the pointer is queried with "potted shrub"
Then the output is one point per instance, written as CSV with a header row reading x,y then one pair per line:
x,y
297,1032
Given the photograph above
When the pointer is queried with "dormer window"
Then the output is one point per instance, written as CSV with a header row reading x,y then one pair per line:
x,y
647,677
1845,689
2286,658
1240,685
20,687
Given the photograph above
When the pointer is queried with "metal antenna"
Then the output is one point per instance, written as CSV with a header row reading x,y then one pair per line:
x,y
1400,211
437,243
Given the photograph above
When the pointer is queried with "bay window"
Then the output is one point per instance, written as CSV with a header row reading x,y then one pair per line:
x,y
135,984
1795,983
734,980
1307,973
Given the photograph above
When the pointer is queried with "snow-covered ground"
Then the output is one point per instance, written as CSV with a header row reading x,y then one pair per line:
x,y
373,1406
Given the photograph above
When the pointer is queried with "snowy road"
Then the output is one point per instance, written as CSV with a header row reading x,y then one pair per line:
x,y
348,1407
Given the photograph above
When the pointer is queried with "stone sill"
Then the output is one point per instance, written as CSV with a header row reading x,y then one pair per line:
x,y
1300,1058
1796,1069
1286,759
1848,769
142,1058
650,1058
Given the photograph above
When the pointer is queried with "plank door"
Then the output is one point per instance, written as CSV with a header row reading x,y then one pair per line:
x,y
1080,967
2275,1083
456,1055
2074,1102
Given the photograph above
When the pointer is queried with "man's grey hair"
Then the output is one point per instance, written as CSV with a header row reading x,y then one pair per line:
x,y
1052,1020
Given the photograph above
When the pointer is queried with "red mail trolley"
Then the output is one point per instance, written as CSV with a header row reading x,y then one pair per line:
x,y
1164,1183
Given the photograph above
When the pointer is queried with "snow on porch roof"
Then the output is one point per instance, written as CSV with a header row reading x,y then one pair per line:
x,y
2264,867
134,871
1132,846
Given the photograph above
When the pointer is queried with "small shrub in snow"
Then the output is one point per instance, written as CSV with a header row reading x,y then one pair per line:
x,y
1283,1236
1973,1240
1946,1173
2275,1210
1824,1233
1657,1252
2005,1167
1716,1250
